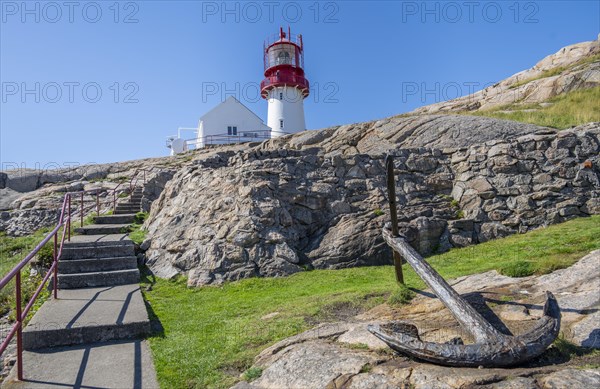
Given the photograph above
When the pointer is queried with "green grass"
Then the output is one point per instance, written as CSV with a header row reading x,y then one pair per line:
x,y
557,70
518,269
136,233
401,296
210,335
252,373
567,110
12,251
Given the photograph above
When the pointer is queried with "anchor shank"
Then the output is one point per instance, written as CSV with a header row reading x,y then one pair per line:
x,y
469,319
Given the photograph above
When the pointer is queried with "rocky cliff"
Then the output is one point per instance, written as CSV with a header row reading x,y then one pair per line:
x,y
317,199
572,68
31,198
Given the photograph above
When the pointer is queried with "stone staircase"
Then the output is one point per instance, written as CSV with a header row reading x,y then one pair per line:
x,y
100,308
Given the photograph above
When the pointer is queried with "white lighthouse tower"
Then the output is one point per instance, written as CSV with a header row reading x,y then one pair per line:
x,y
284,86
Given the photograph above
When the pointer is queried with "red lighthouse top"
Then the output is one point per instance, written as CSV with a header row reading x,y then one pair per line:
x,y
284,63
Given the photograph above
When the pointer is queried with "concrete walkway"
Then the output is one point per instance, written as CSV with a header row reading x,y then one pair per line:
x,y
118,365
91,336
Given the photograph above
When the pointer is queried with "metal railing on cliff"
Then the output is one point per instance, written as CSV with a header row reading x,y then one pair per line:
x,y
64,226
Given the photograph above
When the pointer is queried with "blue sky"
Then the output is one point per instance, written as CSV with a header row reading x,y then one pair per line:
x,y
108,81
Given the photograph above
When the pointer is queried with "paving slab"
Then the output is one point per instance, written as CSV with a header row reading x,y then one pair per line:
x,y
114,365
88,315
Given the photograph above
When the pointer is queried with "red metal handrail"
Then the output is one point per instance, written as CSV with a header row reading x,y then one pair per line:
x,y
64,223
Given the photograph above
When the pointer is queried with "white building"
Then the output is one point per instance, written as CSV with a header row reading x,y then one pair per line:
x,y
284,87
230,122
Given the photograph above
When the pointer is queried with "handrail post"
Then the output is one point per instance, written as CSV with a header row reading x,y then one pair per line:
x,y
55,275
69,219
20,326
81,213
97,203
391,187
114,207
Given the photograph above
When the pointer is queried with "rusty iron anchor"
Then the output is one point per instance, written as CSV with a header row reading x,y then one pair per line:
x,y
491,348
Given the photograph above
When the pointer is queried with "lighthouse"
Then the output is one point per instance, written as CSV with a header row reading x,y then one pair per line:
x,y
285,87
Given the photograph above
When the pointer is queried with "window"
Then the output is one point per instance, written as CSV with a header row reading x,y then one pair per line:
x,y
281,124
231,130
284,58
234,130
280,96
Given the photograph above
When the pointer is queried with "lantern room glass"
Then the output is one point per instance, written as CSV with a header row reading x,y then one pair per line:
x,y
283,54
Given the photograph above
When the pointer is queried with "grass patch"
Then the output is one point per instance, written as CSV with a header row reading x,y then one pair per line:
x,y
210,335
402,295
517,269
140,217
356,346
136,233
557,70
366,368
252,374
12,251
567,110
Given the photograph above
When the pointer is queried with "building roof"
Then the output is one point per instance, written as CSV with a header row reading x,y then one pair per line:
x,y
228,101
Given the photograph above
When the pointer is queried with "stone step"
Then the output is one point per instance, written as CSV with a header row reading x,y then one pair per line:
x,y
102,229
75,253
97,279
116,219
128,205
126,211
98,240
90,315
90,265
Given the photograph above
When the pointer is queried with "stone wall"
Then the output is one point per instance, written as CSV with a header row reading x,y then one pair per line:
x,y
535,180
271,212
